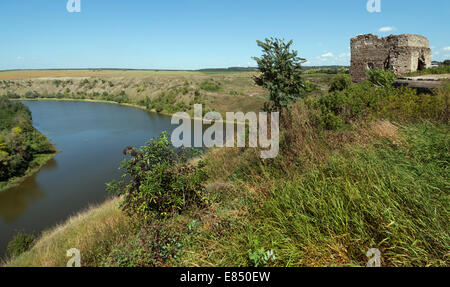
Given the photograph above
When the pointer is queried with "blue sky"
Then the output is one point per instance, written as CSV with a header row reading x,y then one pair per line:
x,y
193,34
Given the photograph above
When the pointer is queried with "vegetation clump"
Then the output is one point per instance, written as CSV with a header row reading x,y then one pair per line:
x,y
21,243
210,86
444,68
21,145
340,83
381,78
161,180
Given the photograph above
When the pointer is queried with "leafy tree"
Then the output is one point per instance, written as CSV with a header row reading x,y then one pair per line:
x,y
281,73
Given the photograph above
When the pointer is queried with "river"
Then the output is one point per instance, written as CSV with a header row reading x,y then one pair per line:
x,y
91,138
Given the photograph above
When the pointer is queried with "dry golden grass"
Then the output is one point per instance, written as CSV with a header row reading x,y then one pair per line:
x,y
99,227
237,90
384,129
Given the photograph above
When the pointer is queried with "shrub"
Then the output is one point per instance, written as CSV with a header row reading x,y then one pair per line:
x,y
340,83
21,243
364,102
442,69
12,95
83,83
161,180
31,95
406,104
210,86
310,87
381,78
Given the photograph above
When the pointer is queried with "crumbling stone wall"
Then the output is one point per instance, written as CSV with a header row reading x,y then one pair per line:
x,y
402,54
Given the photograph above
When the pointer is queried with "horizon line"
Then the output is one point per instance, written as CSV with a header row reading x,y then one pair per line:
x,y
150,69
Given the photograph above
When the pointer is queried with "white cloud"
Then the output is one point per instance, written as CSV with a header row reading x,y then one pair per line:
x,y
446,48
20,58
386,29
344,55
327,55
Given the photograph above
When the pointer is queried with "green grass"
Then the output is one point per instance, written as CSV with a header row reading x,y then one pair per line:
x,y
383,195
389,193
443,69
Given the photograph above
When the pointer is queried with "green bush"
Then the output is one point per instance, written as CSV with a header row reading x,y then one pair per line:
x,y
161,180
31,95
364,102
210,86
340,83
381,78
21,243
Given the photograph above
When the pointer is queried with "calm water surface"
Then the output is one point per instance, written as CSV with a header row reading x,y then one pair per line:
x,y
91,138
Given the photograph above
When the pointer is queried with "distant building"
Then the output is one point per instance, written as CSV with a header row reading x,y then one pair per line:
x,y
402,54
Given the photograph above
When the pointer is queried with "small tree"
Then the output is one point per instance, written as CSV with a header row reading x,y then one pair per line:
x,y
281,73
159,180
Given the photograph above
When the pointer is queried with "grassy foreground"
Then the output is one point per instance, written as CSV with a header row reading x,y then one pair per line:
x,y
388,190
360,168
93,231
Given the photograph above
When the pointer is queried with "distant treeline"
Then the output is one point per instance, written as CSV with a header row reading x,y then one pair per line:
x,y
231,69
325,67
214,70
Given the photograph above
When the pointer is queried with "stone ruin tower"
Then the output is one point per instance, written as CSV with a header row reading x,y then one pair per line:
x,y
402,54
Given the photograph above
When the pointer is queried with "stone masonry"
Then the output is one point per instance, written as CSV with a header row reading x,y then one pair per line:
x,y
402,54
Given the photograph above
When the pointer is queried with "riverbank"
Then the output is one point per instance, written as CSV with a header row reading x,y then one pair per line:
x,y
35,166
166,114
165,92
23,149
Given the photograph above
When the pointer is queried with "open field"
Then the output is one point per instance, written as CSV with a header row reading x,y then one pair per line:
x,y
217,91
161,91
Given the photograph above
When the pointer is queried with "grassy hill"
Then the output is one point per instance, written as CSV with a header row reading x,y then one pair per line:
x,y
161,91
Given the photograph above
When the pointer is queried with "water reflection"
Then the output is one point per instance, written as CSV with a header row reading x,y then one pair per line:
x,y
15,201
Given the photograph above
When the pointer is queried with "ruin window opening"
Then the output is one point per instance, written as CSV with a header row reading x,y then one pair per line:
x,y
370,66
